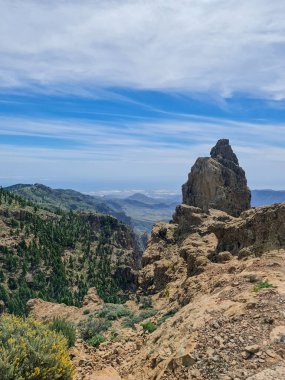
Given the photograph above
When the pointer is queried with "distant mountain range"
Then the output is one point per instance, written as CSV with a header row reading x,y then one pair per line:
x,y
267,197
138,210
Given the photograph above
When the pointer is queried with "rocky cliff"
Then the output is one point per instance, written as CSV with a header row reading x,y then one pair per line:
x,y
218,182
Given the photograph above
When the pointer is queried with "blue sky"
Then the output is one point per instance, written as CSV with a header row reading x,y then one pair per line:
x,y
98,95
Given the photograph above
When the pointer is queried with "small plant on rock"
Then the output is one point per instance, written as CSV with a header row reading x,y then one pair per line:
x,y
96,340
262,285
149,327
166,315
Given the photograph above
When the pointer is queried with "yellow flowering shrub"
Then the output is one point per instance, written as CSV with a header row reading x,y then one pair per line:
x,y
29,350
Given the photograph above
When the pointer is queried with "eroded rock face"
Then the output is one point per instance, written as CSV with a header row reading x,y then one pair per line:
x,y
218,182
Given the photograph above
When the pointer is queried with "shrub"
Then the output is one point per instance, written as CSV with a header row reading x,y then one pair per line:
x,y
134,319
149,327
92,327
166,315
31,351
96,340
113,312
66,329
262,285
86,312
146,314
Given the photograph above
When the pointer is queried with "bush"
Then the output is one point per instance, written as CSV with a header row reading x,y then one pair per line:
x,y
113,312
31,351
166,315
92,327
96,340
66,329
262,285
149,327
134,319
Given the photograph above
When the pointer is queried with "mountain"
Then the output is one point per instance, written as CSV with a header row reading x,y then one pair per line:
x,y
59,199
58,256
145,211
266,197
138,210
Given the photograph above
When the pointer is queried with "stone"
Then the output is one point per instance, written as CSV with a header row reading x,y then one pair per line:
x,y
253,349
218,182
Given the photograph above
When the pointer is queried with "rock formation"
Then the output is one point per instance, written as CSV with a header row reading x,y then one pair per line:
x,y
218,182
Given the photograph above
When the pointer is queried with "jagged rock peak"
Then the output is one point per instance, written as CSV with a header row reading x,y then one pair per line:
x,y
218,182
223,151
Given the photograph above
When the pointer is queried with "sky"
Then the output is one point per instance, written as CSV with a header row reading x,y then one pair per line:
x,y
126,94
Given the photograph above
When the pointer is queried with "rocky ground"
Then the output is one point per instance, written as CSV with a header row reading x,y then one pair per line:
x,y
229,324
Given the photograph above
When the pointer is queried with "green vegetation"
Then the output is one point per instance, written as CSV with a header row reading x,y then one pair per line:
x,y
135,319
57,200
66,329
166,315
56,256
96,340
93,327
262,285
29,350
149,327
113,312
138,210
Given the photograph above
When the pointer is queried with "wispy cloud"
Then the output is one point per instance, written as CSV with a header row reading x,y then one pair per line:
x,y
159,152
217,46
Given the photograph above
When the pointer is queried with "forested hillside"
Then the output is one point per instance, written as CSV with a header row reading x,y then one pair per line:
x,y
58,256
66,199
138,210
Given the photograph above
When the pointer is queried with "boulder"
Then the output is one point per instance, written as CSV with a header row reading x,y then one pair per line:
x,y
218,182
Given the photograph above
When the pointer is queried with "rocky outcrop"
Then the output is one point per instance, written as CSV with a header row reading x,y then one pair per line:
x,y
218,182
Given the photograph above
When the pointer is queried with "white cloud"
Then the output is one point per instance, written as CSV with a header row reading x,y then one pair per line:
x,y
146,154
218,46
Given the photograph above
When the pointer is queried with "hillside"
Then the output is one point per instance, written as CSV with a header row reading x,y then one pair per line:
x,y
66,200
59,256
211,295
138,210
145,211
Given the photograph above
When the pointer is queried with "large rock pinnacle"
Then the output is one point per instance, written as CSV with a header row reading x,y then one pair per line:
x,y
218,182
